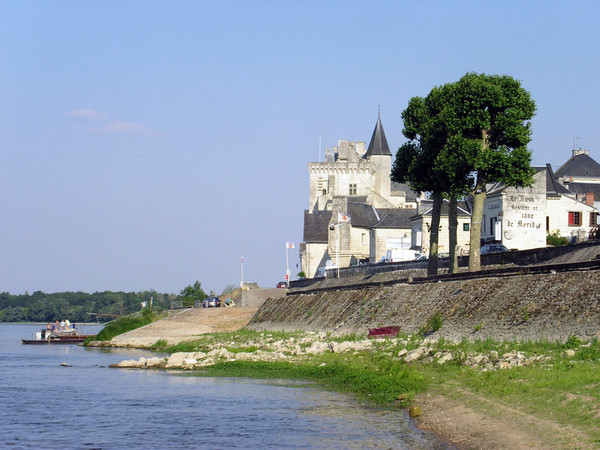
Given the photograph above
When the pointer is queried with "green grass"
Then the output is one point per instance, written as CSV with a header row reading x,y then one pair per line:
x,y
125,324
394,385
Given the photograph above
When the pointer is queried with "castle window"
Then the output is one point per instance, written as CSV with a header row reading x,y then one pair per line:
x,y
352,189
322,186
574,219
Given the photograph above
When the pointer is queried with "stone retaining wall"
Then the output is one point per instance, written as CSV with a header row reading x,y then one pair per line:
x,y
525,307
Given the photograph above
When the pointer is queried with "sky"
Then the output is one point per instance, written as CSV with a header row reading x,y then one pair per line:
x,y
150,144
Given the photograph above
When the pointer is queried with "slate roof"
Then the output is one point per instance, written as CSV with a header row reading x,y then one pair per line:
x,y
367,216
553,187
427,208
316,226
394,218
411,195
585,188
581,165
378,144
362,215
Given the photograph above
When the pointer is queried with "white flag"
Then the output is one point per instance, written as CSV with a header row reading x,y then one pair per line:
x,y
343,218
289,244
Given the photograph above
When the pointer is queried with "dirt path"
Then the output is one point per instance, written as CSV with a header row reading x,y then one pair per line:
x,y
470,421
186,325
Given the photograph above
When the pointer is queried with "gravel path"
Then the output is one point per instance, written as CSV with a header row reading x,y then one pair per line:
x,y
185,325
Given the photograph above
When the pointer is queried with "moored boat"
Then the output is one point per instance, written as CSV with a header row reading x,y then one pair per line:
x,y
54,337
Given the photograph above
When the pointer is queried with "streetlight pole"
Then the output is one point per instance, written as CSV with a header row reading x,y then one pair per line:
x,y
337,246
242,277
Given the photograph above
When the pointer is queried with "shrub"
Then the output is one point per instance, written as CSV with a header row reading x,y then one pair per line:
x,y
556,239
434,323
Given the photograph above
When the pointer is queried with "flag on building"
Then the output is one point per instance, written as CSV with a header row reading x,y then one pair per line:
x,y
289,244
343,218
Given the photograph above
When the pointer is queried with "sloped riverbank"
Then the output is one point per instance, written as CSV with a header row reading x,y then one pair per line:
x,y
550,307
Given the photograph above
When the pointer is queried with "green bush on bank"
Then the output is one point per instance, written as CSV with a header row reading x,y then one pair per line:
x,y
128,323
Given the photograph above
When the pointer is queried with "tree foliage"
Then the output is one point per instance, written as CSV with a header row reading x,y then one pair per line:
x,y
192,293
75,306
462,136
493,130
424,162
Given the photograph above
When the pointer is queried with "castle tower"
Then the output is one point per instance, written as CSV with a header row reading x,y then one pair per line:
x,y
379,154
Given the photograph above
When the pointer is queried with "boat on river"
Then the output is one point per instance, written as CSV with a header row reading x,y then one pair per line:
x,y
43,336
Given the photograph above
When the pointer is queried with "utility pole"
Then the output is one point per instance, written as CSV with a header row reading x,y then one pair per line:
x,y
242,278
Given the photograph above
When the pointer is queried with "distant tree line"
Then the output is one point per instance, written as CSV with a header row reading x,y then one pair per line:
x,y
77,306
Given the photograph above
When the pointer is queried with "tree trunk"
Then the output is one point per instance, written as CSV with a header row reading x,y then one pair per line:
x,y
453,240
479,195
432,265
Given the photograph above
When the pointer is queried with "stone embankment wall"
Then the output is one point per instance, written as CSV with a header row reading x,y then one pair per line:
x,y
256,297
584,251
551,306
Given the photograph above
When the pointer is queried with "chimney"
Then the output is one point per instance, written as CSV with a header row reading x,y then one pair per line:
x,y
579,151
589,199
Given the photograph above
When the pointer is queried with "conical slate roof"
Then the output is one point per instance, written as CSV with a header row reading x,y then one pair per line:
x,y
378,144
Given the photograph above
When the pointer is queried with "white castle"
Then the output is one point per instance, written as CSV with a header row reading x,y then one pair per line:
x,y
354,182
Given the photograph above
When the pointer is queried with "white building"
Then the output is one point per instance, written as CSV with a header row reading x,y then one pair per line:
x,y
521,218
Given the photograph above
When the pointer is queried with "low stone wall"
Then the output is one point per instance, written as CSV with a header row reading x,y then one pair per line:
x,y
525,307
579,252
256,297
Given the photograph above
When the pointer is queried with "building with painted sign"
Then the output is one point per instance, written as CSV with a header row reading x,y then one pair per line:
x,y
521,218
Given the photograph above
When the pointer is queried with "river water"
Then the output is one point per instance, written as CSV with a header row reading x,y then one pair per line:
x,y
65,396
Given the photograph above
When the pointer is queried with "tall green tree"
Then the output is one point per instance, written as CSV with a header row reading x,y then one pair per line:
x,y
493,128
429,162
414,162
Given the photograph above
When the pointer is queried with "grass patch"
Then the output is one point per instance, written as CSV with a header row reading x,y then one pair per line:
x,y
396,385
128,323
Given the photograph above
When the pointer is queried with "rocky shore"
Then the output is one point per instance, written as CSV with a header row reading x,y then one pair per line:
x,y
268,349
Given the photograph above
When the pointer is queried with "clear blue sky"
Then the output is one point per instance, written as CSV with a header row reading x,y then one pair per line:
x,y
149,144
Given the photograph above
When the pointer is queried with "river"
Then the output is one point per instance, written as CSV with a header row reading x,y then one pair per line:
x,y
66,396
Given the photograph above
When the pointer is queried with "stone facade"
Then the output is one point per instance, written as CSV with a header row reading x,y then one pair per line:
x,y
354,181
421,228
